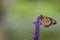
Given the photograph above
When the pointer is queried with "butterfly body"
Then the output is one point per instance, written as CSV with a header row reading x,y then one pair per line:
x,y
47,21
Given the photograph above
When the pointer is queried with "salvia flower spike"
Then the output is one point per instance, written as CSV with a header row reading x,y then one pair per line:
x,y
37,24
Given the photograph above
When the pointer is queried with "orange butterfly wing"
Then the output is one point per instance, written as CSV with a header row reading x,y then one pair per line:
x,y
46,21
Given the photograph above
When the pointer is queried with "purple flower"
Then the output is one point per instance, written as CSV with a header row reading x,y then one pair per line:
x,y
37,21
37,28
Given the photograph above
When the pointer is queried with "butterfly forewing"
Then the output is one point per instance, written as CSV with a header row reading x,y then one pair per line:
x,y
46,21
53,21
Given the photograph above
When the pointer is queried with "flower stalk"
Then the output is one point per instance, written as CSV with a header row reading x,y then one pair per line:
x,y
37,28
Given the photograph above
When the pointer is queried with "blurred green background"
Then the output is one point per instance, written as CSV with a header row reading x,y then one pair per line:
x,y
21,14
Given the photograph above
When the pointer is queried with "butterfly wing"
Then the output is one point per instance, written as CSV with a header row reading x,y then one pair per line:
x,y
46,21
53,21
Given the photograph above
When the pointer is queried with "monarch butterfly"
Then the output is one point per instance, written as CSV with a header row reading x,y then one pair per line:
x,y
47,21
